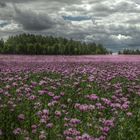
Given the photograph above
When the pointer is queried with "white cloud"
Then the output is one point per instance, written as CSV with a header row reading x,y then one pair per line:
x,y
120,37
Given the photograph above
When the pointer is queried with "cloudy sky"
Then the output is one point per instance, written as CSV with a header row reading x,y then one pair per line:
x,y
114,23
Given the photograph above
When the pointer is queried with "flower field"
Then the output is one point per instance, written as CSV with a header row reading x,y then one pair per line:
x,y
69,97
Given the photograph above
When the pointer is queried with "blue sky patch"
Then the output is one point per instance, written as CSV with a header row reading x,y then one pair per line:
x,y
3,23
76,18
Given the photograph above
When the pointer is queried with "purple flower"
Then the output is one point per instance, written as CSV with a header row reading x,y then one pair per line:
x,y
34,126
129,114
125,106
17,131
62,93
42,137
50,94
45,112
32,97
108,123
56,97
92,97
21,117
42,92
71,132
69,138
33,83
106,129
75,121
1,91
58,113
49,125
0,132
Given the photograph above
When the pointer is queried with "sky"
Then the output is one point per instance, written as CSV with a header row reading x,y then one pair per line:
x,y
114,23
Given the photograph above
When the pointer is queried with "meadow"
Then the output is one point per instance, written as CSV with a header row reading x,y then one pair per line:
x,y
69,97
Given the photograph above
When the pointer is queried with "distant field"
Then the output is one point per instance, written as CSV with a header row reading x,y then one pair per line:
x,y
63,58
69,97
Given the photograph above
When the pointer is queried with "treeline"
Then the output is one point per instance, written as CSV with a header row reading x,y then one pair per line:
x,y
38,44
130,51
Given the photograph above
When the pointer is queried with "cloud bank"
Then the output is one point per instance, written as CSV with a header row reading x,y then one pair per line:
x,y
114,23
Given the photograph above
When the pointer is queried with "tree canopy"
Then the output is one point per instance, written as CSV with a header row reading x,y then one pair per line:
x,y
130,51
48,45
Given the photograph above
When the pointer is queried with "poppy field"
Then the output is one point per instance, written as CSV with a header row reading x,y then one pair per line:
x,y
69,97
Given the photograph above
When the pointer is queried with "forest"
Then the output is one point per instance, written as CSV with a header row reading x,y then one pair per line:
x,y
48,45
130,52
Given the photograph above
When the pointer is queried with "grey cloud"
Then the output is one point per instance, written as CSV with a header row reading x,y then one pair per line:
x,y
115,23
103,9
2,4
125,6
16,1
134,20
33,21
45,1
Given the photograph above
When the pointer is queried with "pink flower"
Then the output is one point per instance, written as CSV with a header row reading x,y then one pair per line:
x,y
58,113
32,97
1,91
42,137
86,137
34,131
92,97
108,123
62,93
0,132
45,112
49,125
42,92
56,97
71,132
75,121
17,131
129,114
21,117
50,94
102,138
33,83
34,126
28,138
43,120
125,106
106,129
42,82
69,138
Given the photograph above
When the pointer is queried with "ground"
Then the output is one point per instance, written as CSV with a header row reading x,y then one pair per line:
x,y
69,97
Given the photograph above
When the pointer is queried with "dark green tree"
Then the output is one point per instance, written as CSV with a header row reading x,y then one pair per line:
x,y
37,44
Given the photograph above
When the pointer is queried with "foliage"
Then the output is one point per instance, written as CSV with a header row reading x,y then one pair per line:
x,y
1,45
130,51
37,44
